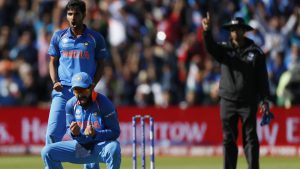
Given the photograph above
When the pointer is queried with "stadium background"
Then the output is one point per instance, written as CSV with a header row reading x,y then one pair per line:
x,y
157,64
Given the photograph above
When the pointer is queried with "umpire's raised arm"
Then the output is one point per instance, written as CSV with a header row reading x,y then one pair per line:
x,y
212,47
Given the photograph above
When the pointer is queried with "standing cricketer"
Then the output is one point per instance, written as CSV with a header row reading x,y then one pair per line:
x,y
244,82
93,124
72,50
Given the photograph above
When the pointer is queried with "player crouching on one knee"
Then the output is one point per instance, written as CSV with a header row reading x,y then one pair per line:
x,y
93,124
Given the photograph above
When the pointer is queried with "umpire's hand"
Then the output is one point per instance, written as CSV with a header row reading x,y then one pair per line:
x,y
265,107
206,22
74,128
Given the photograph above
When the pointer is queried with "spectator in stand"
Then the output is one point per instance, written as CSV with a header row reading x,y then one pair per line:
x,y
276,31
10,87
256,35
211,79
292,57
288,91
276,68
144,94
29,85
4,42
24,51
7,10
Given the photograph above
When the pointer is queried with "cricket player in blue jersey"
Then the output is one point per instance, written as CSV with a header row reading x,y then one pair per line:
x,y
72,50
93,124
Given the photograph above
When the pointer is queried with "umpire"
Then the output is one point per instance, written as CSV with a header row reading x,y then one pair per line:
x,y
244,82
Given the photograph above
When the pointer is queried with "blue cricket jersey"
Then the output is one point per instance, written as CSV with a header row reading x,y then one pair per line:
x,y
77,54
100,113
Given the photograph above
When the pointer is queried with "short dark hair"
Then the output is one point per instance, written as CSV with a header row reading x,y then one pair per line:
x,y
76,4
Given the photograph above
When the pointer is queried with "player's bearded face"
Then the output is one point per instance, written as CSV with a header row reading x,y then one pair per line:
x,y
83,95
75,18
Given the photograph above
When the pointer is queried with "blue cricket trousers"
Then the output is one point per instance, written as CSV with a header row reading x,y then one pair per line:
x,y
56,128
70,151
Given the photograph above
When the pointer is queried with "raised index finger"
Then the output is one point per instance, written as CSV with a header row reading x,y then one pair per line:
x,y
207,15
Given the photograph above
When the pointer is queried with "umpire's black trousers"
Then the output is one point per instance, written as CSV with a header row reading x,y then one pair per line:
x,y
231,112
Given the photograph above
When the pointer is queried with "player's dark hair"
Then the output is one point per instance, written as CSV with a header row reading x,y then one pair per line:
x,y
76,4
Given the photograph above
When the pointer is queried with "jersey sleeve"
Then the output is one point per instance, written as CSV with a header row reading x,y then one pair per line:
x,y
216,50
101,51
262,77
69,116
53,47
111,129
69,113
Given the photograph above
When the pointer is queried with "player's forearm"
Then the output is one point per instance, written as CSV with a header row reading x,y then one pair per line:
x,y
106,135
211,46
262,75
81,138
99,71
53,70
112,131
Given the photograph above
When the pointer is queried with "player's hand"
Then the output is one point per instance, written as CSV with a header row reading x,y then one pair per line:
x,y
89,130
75,129
57,86
206,22
267,114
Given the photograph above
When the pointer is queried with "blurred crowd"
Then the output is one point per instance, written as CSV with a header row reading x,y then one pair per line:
x,y
157,54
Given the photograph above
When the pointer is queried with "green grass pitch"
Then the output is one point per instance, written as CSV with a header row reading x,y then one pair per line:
x,y
35,162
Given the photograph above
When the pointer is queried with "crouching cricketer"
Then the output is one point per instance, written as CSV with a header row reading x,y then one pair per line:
x,y
93,124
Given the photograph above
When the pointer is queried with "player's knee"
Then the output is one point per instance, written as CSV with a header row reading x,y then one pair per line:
x,y
48,139
114,149
229,141
46,152
251,140
53,138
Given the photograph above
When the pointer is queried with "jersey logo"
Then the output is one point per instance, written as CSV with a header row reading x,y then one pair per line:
x,y
64,40
77,114
231,54
78,78
65,43
250,56
86,44
76,54
95,114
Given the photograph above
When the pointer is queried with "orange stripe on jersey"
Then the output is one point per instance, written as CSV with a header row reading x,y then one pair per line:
x,y
94,95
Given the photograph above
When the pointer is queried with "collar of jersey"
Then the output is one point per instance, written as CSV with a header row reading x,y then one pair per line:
x,y
94,97
69,32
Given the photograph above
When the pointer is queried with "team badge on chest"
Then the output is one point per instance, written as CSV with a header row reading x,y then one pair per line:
x,y
77,114
250,56
95,114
